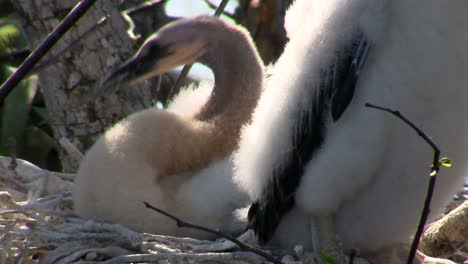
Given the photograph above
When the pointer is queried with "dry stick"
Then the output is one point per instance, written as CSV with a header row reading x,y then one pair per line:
x,y
432,180
145,5
214,6
242,246
74,42
183,74
45,46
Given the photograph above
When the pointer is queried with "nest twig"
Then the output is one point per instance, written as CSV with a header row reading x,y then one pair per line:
x,y
37,225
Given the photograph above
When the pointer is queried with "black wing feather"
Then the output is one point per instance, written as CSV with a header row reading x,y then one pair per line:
x,y
346,84
334,94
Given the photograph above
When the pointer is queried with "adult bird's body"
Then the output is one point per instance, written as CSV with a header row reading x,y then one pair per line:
x,y
313,149
177,160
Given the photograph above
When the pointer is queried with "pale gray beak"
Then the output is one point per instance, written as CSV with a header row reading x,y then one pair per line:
x,y
136,69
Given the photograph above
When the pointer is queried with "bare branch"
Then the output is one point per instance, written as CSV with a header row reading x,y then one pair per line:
x,y
145,5
215,7
54,58
71,149
242,246
432,180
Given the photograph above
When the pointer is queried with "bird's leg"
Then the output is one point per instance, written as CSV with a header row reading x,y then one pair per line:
x,y
316,235
324,238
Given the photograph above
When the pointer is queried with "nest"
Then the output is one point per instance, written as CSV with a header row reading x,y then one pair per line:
x,y
37,225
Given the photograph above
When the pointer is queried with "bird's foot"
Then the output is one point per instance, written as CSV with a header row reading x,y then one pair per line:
x,y
325,242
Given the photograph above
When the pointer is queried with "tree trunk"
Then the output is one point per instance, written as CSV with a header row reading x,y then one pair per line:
x,y
86,60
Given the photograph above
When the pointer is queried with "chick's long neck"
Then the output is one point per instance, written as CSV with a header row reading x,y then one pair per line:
x,y
238,73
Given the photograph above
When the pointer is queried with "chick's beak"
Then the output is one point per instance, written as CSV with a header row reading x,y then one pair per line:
x,y
130,72
141,66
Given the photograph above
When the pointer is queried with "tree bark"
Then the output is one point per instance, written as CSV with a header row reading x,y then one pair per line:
x,y
78,70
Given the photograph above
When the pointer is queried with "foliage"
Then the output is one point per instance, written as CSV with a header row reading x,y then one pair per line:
x,y
22,114
8,34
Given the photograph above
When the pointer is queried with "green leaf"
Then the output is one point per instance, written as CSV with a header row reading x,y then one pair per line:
x,y
327,258
38,147
446,162
41,112
8,33
15,112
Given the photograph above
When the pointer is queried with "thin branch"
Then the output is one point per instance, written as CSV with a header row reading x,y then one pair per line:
x,y
210,4
214,6
145,5
432,180
44,47
71,149
221,8
73,43
183,74
242,246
